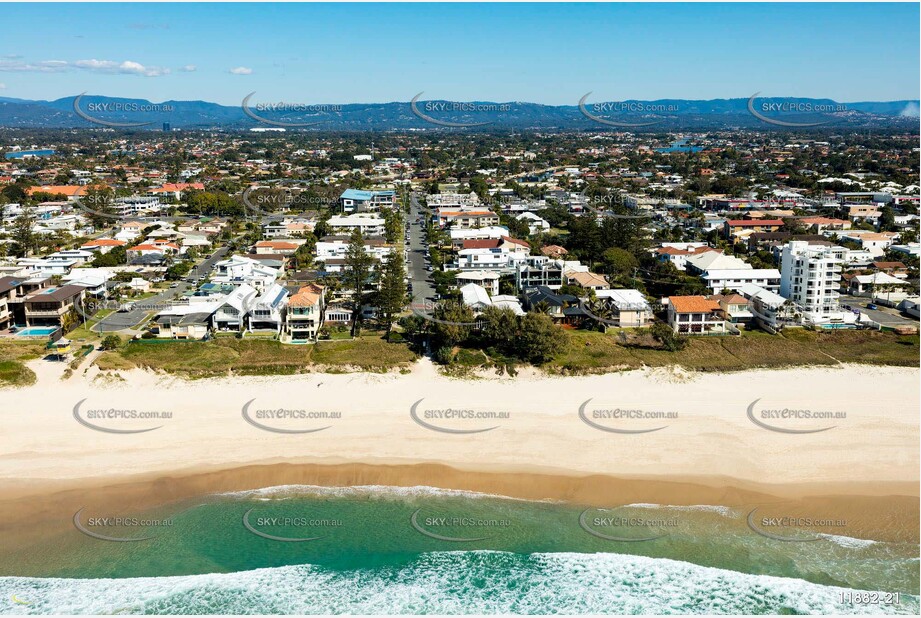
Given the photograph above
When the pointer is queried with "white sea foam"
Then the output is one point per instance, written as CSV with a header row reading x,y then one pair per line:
x,y
281,492
725,511
449,583
848,541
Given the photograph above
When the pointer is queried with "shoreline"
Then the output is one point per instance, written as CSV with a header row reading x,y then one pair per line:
x,y
49,508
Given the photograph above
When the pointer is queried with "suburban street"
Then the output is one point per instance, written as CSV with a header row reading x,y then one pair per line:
x,y
129,319
423,289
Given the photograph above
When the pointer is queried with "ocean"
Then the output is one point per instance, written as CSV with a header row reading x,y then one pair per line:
x,y
386,550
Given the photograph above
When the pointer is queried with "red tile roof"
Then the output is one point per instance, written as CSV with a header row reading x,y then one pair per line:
x,y
693,304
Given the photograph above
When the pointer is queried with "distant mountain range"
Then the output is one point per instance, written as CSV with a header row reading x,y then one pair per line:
x,y
635,115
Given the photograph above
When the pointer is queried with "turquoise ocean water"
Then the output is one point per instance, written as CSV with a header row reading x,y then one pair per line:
x,y
311,550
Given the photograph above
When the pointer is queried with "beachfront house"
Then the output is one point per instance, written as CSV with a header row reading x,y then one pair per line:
x,y
695,315
625,308
51,306
231,312
303,317
267,309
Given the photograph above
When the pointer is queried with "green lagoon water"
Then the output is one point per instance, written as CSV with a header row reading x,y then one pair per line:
x,y
422,550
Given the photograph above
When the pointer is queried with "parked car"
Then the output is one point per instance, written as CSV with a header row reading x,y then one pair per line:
x,y
872,306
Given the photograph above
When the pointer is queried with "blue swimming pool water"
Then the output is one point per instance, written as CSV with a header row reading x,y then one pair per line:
x,y
37,331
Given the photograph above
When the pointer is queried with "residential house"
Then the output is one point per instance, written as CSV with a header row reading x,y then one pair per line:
x,y
554,252
857,212
266,312
586,280
239,270
282,247
486,279
879,285
303,316
536,224
186,321
102,245
475,297
821,224
11,290
152,252
49,306
459,235
565,309
896,269
769,309
231,312
696,315
626,308
678,253
734,307
287,228
539,270
743,227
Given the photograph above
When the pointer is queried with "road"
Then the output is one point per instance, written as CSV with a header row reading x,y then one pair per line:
x,y
884,316
115,322
422,285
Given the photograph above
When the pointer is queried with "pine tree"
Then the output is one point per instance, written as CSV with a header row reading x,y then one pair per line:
x,y
357,272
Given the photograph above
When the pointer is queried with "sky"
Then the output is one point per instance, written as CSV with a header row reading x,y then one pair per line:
x,y
542,53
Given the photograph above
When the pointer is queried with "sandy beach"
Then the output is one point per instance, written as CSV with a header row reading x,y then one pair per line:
x,y
525,437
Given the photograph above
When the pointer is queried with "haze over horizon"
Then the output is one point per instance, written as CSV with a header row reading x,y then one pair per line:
x,y
359,53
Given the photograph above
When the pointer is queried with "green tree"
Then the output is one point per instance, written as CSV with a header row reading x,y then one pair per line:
x,y
98,203
110,342
392,294
24,238
452,323
668,338
357,273
619,262
500,327
117,256
540,340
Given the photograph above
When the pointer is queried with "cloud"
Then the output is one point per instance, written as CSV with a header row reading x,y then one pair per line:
x,y
189,68
126,67
241,71
2,86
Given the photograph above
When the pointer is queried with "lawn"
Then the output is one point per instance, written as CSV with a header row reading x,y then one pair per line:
x,y
594,352
13,355
225,356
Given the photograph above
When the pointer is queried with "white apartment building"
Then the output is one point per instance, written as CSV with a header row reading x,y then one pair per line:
x,y
452,200
369,224
725,272
811,277
458,235
336,247
466,218
489,258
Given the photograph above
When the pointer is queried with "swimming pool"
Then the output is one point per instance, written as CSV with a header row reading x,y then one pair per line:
x,y
36,331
